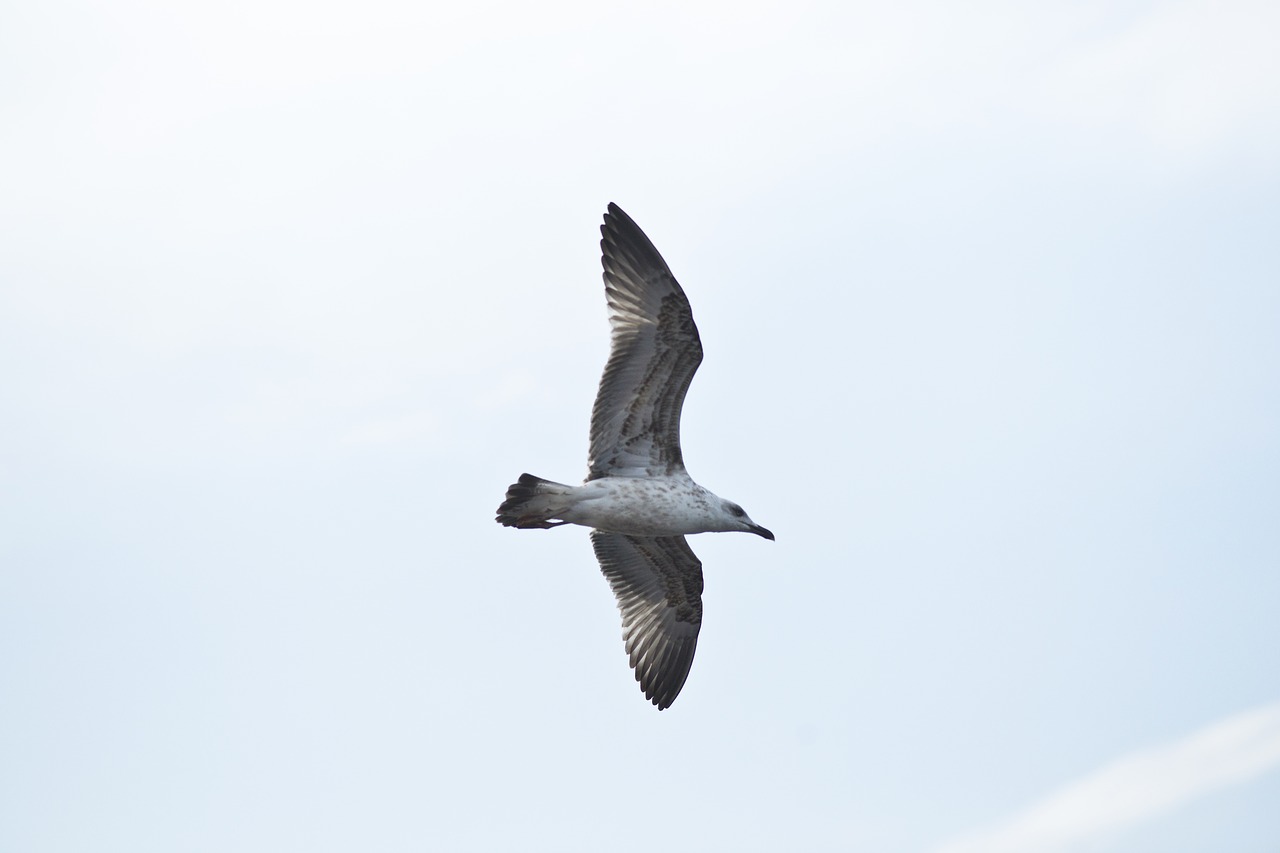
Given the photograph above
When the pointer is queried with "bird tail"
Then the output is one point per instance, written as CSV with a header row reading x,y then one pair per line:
x,y
532,502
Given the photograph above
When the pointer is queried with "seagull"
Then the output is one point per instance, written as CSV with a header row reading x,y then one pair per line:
x,y
638,498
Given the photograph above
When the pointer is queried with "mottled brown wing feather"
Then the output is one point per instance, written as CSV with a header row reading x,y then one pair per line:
x,y
654,352
657,581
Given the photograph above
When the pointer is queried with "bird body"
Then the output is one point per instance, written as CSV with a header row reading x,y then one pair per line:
x,y
636,506
638,498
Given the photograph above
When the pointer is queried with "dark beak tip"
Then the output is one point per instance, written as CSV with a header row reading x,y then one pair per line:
x,y
760,531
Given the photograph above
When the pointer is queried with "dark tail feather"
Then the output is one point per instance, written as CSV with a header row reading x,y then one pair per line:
x,y
532,502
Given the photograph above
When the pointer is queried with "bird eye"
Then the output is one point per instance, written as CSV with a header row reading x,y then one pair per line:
x,y
737,510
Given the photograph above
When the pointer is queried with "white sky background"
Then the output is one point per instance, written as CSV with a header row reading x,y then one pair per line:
x,y
289,293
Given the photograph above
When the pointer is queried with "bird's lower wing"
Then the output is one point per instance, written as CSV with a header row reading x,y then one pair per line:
x,y
658,583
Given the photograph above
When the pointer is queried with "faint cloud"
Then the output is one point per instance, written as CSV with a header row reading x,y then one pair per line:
x,y
1138,787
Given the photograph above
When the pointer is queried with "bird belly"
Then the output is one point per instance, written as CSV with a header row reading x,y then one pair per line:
x,y
642,507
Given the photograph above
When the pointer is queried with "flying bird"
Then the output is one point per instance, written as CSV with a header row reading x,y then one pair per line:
x,y
638,498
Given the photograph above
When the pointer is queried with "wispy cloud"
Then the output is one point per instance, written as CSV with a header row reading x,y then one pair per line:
x,y
1138,787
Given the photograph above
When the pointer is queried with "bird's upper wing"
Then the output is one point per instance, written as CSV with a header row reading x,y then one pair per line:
x,y
654,352
658,583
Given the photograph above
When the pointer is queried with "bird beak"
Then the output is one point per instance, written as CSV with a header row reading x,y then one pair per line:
x,y
760,531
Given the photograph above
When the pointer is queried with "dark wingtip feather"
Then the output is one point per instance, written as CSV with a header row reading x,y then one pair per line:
x,y
624,241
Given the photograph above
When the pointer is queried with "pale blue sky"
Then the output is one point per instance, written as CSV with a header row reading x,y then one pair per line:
x,y
990,295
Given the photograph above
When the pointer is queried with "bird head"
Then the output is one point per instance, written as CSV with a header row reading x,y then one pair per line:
x,y
739,520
